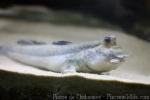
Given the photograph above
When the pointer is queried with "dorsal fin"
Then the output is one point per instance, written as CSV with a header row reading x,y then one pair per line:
x,y
61,42
30,42
34,42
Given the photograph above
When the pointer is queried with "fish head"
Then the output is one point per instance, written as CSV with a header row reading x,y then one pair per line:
x,y
110,41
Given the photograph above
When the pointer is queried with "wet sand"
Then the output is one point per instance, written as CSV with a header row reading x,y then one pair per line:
x,y
135,69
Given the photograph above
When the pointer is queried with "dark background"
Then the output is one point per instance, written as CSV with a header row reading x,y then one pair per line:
x,y
128,14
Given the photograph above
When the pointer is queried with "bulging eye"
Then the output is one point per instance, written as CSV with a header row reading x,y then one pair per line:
x,y
107,39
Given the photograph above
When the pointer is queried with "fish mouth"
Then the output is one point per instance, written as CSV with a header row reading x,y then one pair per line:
x,y
118,59
122,58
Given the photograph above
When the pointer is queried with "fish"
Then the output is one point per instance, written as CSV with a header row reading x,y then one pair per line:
x,y
93,60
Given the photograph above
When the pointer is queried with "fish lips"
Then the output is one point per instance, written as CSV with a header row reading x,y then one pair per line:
x,y
119,58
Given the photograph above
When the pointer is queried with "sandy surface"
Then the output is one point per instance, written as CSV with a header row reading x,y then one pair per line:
x,y
135,69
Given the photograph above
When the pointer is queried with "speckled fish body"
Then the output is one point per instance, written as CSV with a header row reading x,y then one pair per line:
x,y
98,59
48,49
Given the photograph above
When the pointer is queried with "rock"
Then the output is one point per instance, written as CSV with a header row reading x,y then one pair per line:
x,y
15,86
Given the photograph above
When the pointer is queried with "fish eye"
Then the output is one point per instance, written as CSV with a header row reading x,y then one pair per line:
x,y
107,39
